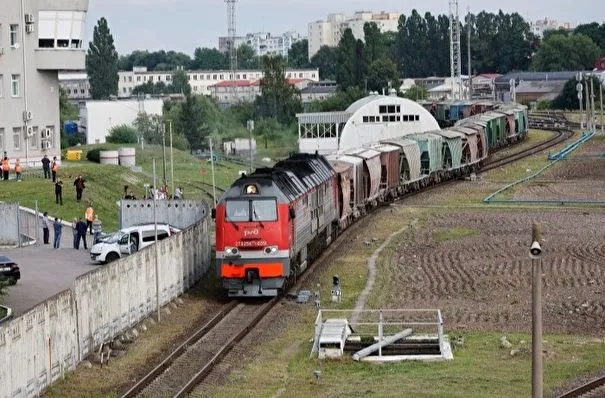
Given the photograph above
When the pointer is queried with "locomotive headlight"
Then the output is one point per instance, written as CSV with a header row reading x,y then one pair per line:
x,y
231,251
271,249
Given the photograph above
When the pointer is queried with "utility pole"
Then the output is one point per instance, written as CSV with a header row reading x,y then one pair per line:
x,y
213,181
171,158
601,96
163,127
579,89
250,126
535,252
587,76
468,45
455,64
594,119
155,227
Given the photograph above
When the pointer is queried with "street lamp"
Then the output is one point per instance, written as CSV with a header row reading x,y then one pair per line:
x,y
535,252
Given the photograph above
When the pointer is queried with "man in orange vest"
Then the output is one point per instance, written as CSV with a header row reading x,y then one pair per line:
x,y
90,217
53,167
5,168
18,170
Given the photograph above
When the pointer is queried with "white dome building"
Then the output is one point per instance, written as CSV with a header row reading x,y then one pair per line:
x,y
364,123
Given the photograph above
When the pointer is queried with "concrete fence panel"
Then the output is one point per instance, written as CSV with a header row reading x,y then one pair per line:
x,y
178,213
9,219
38,347
49,340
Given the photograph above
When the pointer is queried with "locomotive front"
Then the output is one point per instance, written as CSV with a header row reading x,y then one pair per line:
x,y
253,235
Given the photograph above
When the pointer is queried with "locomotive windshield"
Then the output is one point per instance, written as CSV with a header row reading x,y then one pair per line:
x,y
251,210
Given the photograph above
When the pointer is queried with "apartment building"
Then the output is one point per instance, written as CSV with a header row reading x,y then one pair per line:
x,y
329,32
542,25
263,43
201,81
37,39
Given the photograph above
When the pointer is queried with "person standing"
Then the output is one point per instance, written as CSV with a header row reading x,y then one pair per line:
x,y
90,217
18,170
97,227
46,225
59,192
178,193
5,168
54,166
46,166
58,230
74,230
81,227
79,184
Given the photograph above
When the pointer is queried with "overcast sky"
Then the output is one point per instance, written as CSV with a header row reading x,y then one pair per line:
x,y
183,25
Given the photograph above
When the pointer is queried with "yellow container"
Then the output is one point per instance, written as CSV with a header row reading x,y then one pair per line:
x,y
74,155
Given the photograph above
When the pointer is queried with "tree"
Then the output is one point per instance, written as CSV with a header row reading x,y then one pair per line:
x,y
298,54
209,59
246,58
416,93
102,62
382,74
347,61
595,31
67,111
559,53
278,98
148,128
180,82
339,101
568,98
326,60
190,122
122,134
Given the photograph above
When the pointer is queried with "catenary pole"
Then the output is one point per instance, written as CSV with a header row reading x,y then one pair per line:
x,y
537,385
155,227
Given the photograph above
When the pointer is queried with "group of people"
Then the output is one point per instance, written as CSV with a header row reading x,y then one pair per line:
x,y
6,168
78,183
79,226
162,193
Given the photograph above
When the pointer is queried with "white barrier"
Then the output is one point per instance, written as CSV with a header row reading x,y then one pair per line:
x,y
52,338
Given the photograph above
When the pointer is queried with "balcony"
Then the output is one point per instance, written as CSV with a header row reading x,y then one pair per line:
x,y
60,59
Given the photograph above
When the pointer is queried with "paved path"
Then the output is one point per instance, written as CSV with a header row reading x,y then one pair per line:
x,y
361,301
45,272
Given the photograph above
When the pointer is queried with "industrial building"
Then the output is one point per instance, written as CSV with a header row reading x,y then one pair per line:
x,y
365,122
329,32
38,38
97,118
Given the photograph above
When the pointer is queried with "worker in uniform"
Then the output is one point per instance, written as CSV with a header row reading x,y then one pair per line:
x,y
54,166
5,168
18,170
90,217
46,166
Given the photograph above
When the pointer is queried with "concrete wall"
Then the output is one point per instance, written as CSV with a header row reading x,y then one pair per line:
x,y
52,338
178,213
9,220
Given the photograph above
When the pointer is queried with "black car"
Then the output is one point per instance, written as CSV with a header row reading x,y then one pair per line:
x,y
9,270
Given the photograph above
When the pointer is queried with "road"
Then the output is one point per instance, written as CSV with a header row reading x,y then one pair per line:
x,y
45,272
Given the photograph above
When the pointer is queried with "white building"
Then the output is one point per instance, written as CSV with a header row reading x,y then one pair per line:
x,y
240,146
97,118
364,123
329,32
76,85
542,25
37,39
201,81
263,43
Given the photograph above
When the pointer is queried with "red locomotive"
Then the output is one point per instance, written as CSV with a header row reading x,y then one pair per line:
x,y
272,223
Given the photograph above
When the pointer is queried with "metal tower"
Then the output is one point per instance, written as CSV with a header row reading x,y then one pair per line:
x,y
455,56
231,33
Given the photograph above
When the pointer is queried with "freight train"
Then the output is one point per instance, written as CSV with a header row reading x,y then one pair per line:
x,y
271,224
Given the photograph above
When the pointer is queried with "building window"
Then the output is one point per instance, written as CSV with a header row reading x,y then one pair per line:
x,y
33,140
405,118
398,118
60,29
382,109
168,78
17,138
417,117
194,77
14,35
129,79
150,78
15,80
385,118
52,135
366,119
398,108
391,108
138,78
392,118
222,77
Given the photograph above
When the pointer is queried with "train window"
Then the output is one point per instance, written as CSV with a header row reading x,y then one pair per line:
x,y
238,210
391,108
382,109
264,210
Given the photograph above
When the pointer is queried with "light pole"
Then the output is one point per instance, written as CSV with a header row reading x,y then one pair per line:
x,y
155,228
587,101
594,120
535,251
163,128
171,157
601,96
250,126
579,89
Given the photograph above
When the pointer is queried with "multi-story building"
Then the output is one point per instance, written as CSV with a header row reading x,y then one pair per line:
x,y
263,43
542,25
329,32
200,81
37,39
228,93
75,85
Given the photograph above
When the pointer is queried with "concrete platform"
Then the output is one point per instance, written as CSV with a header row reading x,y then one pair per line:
x,y
45,272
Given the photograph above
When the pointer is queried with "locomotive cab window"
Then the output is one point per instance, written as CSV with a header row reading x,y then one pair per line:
x,y
264,210
238,210
251,210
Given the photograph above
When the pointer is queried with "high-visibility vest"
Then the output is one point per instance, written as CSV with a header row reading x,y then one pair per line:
x,y
5,165
55,166
90,214
17,167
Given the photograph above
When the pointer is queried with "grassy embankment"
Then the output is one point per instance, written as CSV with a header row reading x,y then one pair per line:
x,y
104,183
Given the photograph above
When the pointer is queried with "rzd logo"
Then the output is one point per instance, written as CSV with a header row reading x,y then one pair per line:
x,y
251,232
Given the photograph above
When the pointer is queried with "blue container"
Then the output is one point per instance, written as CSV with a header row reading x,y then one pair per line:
x,y
70,128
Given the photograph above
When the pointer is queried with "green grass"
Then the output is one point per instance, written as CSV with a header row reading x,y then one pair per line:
x,y
104,183
453,234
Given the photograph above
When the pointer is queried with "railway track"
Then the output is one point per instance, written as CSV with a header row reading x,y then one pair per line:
x,y
593,389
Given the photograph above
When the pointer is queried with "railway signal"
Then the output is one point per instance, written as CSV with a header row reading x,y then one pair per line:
x,y
535,253
579,89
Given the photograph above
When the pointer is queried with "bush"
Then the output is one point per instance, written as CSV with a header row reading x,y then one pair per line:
x,y
543,105
123,134
94,155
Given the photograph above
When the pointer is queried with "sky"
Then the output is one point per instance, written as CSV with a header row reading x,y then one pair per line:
x,y
183,25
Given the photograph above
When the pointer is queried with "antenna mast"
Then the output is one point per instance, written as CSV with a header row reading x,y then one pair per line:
x,y
231,33
455,61
470,71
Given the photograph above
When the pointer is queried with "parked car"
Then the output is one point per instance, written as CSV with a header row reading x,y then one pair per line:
x,y
127,241
9,270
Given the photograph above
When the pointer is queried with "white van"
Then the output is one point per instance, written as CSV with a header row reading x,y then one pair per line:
x,y
127,241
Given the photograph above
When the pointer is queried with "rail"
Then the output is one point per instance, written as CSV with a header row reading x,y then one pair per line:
x,y
585,389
